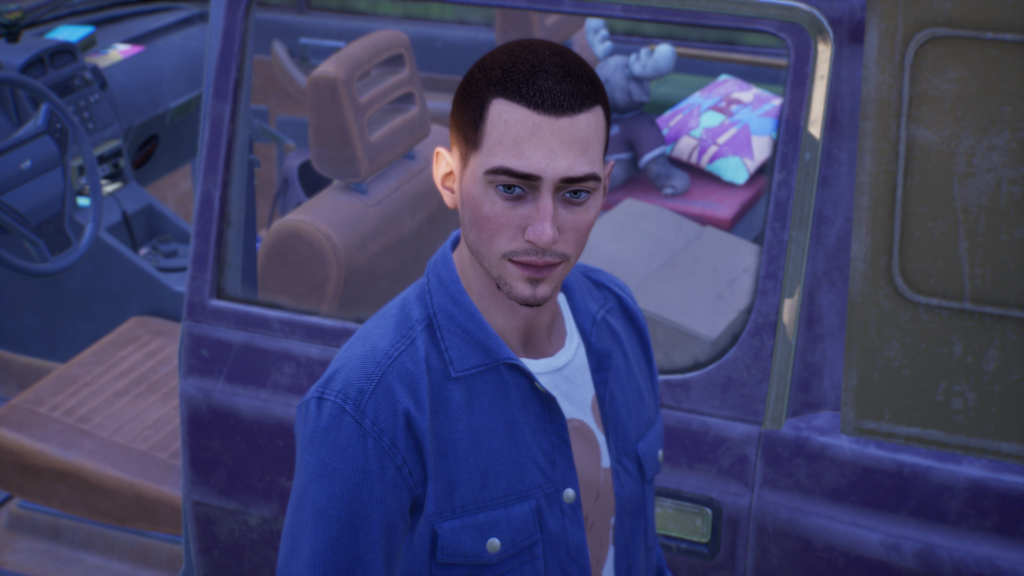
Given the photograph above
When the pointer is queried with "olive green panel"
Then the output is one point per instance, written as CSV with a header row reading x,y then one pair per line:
x,y
924,373
963,202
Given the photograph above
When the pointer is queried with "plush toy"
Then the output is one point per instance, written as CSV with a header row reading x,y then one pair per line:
x,y
635,142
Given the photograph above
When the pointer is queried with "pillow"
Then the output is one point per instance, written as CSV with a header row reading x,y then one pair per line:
x,y
727,128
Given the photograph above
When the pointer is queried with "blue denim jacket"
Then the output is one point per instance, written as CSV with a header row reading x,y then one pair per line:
x,y
427,437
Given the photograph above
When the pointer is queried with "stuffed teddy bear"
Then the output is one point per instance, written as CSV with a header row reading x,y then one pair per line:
x,y
635,142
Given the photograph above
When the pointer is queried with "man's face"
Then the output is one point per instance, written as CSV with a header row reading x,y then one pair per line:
x,y
529,196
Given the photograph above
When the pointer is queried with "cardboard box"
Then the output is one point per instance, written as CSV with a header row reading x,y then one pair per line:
x,y
694,283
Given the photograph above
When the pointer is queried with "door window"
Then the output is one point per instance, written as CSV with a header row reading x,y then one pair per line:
x,y
306,233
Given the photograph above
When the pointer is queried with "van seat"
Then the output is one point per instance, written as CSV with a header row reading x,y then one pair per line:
x,y
358,243
99,437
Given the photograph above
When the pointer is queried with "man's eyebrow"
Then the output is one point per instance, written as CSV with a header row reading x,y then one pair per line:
x,y
533,178
574,180
512,173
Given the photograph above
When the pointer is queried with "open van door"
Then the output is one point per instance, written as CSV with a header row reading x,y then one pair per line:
x,y
767,467
250,348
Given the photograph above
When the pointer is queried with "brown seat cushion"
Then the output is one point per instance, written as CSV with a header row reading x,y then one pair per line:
x,y
351,248
100,437
345,254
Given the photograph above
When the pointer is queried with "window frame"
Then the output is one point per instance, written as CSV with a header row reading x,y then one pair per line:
x,y
787,236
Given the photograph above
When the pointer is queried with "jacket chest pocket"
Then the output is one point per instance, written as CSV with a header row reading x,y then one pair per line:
x,y
500,541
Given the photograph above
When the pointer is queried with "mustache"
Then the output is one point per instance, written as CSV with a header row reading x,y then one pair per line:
x,y
536,253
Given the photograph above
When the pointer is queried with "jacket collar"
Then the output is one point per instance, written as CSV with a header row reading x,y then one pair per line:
x,y
468,341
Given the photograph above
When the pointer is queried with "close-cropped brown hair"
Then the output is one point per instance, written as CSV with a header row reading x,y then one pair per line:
x,y
539,75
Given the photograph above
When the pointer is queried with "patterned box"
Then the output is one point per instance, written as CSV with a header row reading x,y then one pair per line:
x,y
727,128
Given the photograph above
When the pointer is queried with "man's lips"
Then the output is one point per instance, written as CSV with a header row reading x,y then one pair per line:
x,y
536,268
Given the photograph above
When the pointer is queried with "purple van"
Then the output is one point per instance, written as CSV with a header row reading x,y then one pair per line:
x,y
167,299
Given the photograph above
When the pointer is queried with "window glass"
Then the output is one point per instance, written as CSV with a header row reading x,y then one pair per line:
x,y
310,229
438,11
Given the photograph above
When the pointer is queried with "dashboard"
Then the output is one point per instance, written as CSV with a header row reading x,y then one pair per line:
x,y
137,94
141,109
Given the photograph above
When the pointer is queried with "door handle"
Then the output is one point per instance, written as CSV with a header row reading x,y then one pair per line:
x,y
687,523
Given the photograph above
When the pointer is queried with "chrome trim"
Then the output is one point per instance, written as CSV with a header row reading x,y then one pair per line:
x,y
919,39
804,196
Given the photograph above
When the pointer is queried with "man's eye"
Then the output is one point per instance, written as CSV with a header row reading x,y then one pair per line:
x,y
578,194
509,189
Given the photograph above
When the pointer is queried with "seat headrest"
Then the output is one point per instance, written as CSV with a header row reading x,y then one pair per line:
x,y
366,107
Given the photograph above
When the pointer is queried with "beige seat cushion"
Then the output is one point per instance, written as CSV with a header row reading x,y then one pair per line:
x,y
346,254
100,437
357,244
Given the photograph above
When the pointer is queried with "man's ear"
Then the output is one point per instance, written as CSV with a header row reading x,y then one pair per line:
x,y
609,165
445,177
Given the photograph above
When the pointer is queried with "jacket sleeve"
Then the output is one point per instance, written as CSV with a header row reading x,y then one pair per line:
x,y
349,507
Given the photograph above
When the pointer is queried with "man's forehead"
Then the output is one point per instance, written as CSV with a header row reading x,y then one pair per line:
x,y
517,137
502,108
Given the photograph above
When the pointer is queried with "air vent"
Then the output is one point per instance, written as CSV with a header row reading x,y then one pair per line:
x,y
62,58
34,69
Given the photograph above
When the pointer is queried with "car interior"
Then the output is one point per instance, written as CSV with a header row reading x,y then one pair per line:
x,y
333,213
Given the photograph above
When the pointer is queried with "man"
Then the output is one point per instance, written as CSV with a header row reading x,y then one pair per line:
x,y
501,415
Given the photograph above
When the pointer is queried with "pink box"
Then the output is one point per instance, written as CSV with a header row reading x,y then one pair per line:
x,y
709,201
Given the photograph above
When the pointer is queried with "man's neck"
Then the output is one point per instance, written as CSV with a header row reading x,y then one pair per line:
x,y
530,332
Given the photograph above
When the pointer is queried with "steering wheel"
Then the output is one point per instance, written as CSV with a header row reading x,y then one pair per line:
x,y
16,156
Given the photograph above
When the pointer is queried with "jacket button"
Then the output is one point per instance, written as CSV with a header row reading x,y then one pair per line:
x,y
569,495
493,545
661,455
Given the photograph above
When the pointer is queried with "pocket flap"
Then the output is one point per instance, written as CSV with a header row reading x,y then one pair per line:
x,y
649,448
464,539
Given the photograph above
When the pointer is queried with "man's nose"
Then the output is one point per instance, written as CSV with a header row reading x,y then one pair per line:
x,y
542,231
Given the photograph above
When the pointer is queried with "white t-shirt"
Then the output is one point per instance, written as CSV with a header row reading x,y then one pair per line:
x,y
566,375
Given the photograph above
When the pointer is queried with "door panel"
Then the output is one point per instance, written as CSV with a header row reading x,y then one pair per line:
x,y
239,394
715,459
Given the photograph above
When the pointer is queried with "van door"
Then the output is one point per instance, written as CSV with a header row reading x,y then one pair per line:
x,y
921,469
247,357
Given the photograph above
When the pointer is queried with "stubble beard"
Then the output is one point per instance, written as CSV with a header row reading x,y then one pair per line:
x,y
530,301
505,286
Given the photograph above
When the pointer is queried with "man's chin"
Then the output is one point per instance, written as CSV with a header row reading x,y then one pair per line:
x,y
530,296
